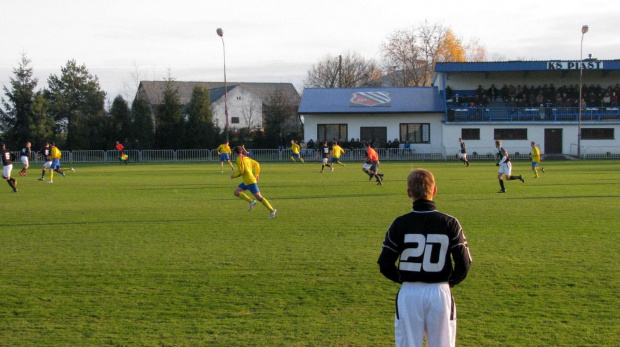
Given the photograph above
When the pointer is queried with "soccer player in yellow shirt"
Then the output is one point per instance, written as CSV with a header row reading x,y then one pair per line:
x,y
223,151
337,151
296,149
55,154
535,156
249,169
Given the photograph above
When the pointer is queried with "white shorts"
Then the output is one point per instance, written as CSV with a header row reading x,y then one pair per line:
x,y
366,166
425,309
6,171
505,168
463,155
325,160
47,164
24,160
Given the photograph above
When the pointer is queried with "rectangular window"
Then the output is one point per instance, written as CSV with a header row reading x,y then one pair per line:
x,y
415,132
328,132
470,134
597,134
234,120
510,134
377,136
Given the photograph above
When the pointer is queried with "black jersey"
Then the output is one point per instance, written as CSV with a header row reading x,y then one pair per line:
x,y
6,157
325,151
501,153
463,147
425,242
45,153
26,151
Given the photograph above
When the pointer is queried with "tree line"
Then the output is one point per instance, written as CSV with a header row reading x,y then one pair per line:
x,y
71,112
408,60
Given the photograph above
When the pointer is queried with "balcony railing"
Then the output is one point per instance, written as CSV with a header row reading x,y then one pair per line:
x,y
458,114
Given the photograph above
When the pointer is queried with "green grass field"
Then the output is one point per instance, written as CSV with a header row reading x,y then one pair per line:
x,y
165,255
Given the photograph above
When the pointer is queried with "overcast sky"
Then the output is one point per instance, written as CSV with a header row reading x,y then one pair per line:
x,y
277,40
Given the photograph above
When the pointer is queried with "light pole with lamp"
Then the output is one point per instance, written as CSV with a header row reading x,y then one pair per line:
x,y
584,30
220,33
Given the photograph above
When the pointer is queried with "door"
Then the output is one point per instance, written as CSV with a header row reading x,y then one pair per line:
x,y
553,141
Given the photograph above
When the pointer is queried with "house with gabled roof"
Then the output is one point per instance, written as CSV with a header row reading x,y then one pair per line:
x,y
247,101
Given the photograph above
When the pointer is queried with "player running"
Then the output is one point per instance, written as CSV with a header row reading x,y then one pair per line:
x,y
55,154
223,151
296,149
249,169
7,167
505,166
25,154
46,153
337,151
371,164
419,251
325,153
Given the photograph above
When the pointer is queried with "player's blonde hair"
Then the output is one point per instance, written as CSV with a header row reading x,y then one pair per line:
x,y
421,184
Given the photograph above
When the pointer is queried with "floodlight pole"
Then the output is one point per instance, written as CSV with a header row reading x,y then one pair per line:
x,y
584,30
220,33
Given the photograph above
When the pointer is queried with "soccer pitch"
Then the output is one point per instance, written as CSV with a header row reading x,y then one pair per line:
x,y
164,254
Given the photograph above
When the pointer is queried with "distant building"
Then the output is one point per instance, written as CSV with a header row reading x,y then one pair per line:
x,y
247,102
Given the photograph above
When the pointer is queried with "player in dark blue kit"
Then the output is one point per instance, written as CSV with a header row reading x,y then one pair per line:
x,y
25,154
418,251
46,154
325,154
7,167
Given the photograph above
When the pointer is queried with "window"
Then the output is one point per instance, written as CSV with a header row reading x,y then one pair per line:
x,y
510,134
597,134
470,134
376,135
234,120
415,132
327,132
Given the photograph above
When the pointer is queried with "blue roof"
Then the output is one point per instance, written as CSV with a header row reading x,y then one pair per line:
x,y
527,65
371,100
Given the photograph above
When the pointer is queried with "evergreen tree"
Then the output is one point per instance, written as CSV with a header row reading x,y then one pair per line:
x,y
17,116
42,125
74,97
200,132
142,125
279,111
170,125
121,119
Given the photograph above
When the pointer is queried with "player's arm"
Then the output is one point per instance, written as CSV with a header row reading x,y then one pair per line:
x,y
240,169
387,259
459,249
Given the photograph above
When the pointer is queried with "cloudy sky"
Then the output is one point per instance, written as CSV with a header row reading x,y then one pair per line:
x,y
277,40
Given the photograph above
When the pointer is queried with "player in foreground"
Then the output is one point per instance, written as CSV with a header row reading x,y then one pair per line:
x,y
535,157
505,167
337,151
371,164
425,242
24,156
223,151
7,167
249,169
463,152
296,149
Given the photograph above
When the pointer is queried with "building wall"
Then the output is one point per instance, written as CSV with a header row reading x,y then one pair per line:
x,y
535,132
391,121
242,104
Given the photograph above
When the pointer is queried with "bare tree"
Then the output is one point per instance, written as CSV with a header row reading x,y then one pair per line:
x,y
475,51
350,70
130,86
410,54
248,113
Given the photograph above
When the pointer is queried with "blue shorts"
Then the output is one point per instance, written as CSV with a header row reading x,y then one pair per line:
x,y
55,164
253,188
224,157
295,155
534,164
335,160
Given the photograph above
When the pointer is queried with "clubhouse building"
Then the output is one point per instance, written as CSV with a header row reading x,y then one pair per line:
x,y
514,101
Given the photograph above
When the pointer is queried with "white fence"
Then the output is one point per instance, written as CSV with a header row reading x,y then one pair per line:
x,y
275,155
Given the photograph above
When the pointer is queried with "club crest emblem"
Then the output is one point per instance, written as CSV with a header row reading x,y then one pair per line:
x,y
371,99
